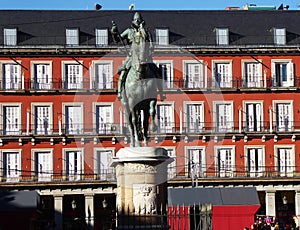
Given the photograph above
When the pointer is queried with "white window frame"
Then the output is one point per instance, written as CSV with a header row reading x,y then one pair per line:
x,y
106,126
195,169
47,174
37,125
172,167
109,173
105,82
257,167
77,175
190,125
168,75
77,82
168,125
72,36
222,36
80,125
281,124
288,167
16,79
279,36
17,174
18,127
224,169
252,78
250,122
162,36
222,125
101,36
44,83
278,81
10,36
223,79
191,80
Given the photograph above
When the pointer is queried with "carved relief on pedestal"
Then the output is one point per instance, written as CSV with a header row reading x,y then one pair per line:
x,y
140,168
144,199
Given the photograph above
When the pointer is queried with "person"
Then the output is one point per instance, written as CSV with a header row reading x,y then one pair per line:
x,y
137,26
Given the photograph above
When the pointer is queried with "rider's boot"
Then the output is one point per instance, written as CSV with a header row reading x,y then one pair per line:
x,y
120,86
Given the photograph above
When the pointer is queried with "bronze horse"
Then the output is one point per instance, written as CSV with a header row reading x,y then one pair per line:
x,y
140,91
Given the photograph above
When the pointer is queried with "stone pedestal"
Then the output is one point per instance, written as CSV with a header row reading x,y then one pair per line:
x,y
141,184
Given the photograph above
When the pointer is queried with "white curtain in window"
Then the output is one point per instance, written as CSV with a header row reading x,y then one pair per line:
x,y
74,120
12,76
195,117
101,37
194,75
224,118
44,168
104,158
104,76
73,164
253,117
74,76
42,117
165,118
11,166
12,120
42,76
10,37
283,116
223,75
72,37
104,118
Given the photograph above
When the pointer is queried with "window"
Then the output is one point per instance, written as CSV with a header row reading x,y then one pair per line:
x,y
166,68
252,73
225,161
194,75
42,76
194,117
223,74
72,37
43,165
279,36
284,160
222,36
224,116
42,119
196,166
162,36
10,37
165,117
103,118
74,119
73,159
172,166
11,73
11,165
101,37
283,115
12,119
282,73
253,116
103,158
103,75
73,76
255,160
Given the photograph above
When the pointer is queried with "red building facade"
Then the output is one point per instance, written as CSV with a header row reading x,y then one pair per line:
x,y
230,117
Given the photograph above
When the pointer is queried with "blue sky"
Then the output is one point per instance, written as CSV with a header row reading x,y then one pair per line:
x,y
140,4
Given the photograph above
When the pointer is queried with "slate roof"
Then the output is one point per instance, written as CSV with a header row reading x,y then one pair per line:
x,y
187,27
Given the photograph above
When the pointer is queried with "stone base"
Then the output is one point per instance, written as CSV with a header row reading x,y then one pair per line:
x,y
141,180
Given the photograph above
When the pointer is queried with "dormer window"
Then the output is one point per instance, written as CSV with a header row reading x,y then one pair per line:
x,y
162,36
279,36
101,37
10,36
72,36
222,36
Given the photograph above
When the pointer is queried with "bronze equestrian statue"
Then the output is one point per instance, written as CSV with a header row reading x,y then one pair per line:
x,y
139,81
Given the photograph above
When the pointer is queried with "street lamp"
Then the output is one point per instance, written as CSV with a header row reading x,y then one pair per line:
x,y
104,203
73,204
